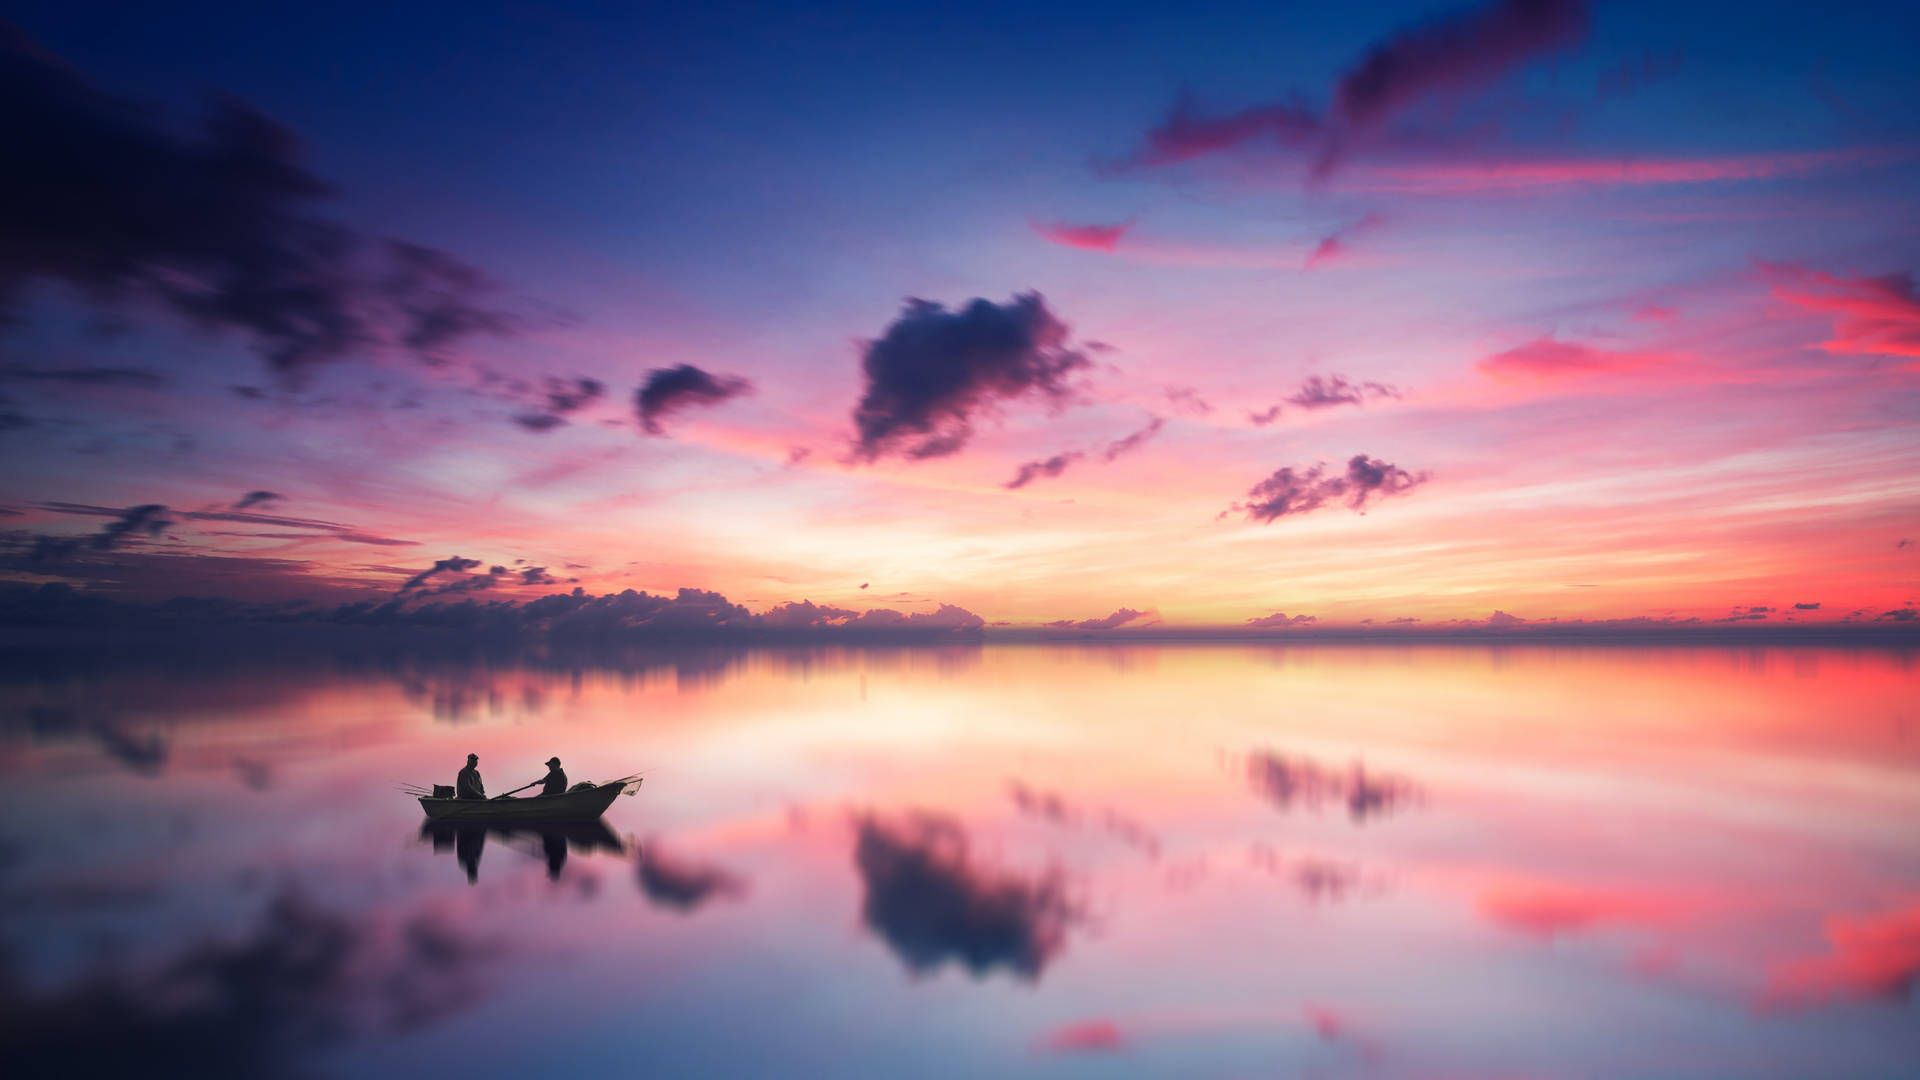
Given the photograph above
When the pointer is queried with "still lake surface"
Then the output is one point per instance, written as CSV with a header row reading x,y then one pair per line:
x,y
1046,860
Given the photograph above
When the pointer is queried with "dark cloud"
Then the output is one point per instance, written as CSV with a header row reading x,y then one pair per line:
x,y
1106,622
150,519
1291,491
1294,782
285,592
932,371
1279,620
562,396
1452,53
304,981
669,390
440,300
1807,607
153,524
137,378
932,902
144,754
1905,614
1458,51
1320,392
1187,133
452,565
1033,470
684,886
214,226
1317,392
805,614
1057,464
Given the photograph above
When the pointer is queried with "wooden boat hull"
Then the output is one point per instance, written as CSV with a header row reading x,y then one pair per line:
x,y
573,806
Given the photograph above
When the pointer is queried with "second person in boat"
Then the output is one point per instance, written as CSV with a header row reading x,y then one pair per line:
x,y
556,781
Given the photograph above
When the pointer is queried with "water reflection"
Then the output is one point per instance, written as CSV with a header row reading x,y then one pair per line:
x,y
681,884
1289,782
300,981
932,901
549,842
1431,862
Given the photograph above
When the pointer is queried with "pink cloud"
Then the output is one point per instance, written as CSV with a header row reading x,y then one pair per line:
x,y
1098,1036
1877,316
1545,909
1085,237
1327,1023
1186,134
1871,957
1336,245
1456,178
1546,358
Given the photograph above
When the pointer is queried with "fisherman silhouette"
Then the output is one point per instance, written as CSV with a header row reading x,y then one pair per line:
x,y
556,781
467,785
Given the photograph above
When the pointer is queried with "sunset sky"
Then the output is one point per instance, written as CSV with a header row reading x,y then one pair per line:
x,y
1393,311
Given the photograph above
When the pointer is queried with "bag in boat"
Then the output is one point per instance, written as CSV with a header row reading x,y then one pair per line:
x,y
584,785
443,791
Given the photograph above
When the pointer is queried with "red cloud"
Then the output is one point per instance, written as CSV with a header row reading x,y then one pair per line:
x,y
1874,957
1327,1023
1085,1037
1085,237
1545,909
1874,315
1517,175
1550,359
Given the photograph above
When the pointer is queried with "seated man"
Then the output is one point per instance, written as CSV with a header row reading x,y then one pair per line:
x,y
467,785
556,782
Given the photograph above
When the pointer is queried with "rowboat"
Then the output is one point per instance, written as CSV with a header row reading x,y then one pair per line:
x,y
585,805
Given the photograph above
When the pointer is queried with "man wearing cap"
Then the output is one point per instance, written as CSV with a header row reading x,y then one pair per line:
x,y
556,780
468,784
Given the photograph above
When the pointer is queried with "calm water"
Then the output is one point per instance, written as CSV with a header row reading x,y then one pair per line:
x,y
1058,860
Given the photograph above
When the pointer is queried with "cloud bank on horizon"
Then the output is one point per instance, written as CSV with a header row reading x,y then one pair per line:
x,y
1594,319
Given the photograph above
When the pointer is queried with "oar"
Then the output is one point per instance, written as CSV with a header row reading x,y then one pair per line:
x,y
522,788
471,803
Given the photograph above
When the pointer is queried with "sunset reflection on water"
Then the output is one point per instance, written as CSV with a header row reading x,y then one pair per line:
x,y
1215,860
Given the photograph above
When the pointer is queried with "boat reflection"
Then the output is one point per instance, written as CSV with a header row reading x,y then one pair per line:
x,y
548,841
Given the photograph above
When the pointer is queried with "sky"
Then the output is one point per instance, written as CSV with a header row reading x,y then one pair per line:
x,y
1270,316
